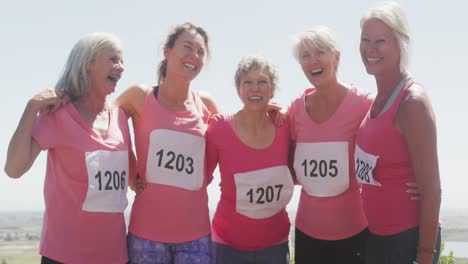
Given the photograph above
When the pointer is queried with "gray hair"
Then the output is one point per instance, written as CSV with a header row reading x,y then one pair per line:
x,y
74,80
392,14
254,62
318,37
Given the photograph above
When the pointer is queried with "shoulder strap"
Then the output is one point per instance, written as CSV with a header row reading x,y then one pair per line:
x,y
395,93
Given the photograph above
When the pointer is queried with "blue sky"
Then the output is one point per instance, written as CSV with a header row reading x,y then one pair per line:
x,y
38,35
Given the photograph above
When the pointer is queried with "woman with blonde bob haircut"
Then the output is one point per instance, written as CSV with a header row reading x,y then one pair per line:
x,y
88,156
397,143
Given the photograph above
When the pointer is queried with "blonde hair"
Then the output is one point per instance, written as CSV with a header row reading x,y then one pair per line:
x,y
318,37
393,15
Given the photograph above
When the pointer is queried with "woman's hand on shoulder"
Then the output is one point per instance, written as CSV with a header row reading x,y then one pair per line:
x,y
47,101
277,113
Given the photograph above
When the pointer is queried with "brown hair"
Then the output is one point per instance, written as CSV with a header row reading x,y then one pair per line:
x,y
171,38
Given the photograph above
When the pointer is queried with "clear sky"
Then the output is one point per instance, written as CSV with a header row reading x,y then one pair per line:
x,y
36,37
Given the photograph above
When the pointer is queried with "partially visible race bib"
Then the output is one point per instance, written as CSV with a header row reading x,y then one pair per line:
x,y
263,193
322,168
176,159
365,164
107,181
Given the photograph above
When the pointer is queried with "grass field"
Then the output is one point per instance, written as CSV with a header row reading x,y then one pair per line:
x,y
19,237
19,252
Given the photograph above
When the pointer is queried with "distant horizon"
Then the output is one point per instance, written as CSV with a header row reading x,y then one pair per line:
x,y
37,37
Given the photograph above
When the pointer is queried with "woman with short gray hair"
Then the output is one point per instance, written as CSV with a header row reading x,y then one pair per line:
x,y
251,224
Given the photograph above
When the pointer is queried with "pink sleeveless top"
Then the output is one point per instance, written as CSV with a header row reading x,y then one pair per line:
x,y
84,190
330,206
170,147
388,206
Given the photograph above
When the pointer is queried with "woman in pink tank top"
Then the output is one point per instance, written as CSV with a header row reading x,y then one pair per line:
x,y
88,151
251,224
397,142
331,226
169,222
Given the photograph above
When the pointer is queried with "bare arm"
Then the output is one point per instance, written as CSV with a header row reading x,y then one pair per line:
x,y
416,121
132,101
292,150
23,148
132,170
209,103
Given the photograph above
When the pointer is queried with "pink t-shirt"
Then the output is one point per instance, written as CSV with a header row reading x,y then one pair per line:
x,y
330,206
255,185
84,190
170,148
384,168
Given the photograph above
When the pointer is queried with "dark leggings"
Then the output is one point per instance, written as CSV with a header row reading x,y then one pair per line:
x,y
396,249
309,250
46,260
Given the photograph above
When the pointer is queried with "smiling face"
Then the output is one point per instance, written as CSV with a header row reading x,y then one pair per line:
x,y
105,71
380,50
319,64
187,57
255,89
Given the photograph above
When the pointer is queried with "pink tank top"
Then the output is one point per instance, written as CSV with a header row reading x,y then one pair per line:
x,y
85,187
255,186
330,206
384,167
170,148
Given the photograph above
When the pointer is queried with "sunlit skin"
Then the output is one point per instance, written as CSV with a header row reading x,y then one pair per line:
x,y
380,50
255,90
105,71
187,58
253,126
319,64
415,120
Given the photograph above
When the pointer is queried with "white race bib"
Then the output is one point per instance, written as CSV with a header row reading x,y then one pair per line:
x,y
176,159
107,181
322,168
365,164
263,193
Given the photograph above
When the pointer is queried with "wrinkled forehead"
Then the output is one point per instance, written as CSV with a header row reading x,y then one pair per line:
x,y
254,71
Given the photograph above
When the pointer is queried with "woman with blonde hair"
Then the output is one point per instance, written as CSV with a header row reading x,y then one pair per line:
x,y
396,143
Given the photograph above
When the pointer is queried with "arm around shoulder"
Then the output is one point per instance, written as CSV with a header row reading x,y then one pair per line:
x,y
132,100
416,121
209,103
